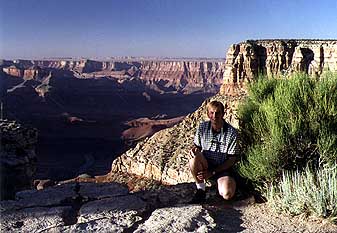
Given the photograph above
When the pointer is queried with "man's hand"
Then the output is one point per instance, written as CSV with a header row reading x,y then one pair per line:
x,y
194,152
204,175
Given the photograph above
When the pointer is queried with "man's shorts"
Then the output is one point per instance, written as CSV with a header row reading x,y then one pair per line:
x,y
228,172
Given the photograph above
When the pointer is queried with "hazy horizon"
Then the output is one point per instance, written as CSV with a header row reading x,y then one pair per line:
x,y
36,29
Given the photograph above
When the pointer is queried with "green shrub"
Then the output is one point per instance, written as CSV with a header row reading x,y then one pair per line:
x,y
286,124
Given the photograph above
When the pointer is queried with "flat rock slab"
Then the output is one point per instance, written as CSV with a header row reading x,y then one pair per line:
x,y
101,190
111,208
57,195
33,219
190,218
114,214
100,225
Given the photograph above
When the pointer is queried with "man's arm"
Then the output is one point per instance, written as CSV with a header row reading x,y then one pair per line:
x,y
223,167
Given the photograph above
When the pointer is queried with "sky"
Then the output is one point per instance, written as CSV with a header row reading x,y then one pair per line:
x,y
36,29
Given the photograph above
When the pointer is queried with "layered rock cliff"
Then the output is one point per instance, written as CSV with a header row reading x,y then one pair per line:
x,y
244,61
186,76
18,158
164,76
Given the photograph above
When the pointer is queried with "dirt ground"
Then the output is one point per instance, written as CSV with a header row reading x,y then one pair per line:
x,y
253,217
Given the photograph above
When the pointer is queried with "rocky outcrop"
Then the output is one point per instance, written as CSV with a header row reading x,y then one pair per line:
x,y
18,158
164,156
244,61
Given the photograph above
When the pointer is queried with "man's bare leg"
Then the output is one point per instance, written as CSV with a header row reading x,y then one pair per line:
x,y
198,163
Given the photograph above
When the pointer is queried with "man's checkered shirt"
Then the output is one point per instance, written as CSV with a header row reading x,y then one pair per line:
x,y
216,146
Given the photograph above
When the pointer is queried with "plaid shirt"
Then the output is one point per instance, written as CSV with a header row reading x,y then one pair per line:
x,y
216,146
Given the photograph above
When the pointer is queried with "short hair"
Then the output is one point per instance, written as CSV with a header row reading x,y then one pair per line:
x,y
217,105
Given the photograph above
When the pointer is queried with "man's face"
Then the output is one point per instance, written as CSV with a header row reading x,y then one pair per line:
x,y
215,115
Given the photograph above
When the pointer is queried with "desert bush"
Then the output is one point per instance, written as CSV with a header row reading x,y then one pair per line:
x,y
308,191
287,124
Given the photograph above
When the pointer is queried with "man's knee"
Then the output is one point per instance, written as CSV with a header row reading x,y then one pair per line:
x,y
226,187
226,194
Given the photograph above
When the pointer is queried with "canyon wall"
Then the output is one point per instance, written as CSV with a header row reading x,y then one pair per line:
x,y
244,61
165,76
185,75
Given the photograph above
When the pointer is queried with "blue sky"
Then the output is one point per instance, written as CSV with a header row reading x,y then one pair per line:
x,y
161,28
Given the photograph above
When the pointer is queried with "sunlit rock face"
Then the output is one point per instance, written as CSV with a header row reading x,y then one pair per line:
x,y
18,158
244,61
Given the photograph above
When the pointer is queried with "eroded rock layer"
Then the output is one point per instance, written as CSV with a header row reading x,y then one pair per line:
x,y
244,61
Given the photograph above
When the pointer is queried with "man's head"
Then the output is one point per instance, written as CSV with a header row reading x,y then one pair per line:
x,y
215,112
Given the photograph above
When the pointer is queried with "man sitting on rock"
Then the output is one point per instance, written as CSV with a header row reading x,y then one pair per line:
x,y
214,153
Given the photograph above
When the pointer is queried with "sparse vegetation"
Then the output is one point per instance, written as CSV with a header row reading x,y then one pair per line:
x,y
311,192
289,134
